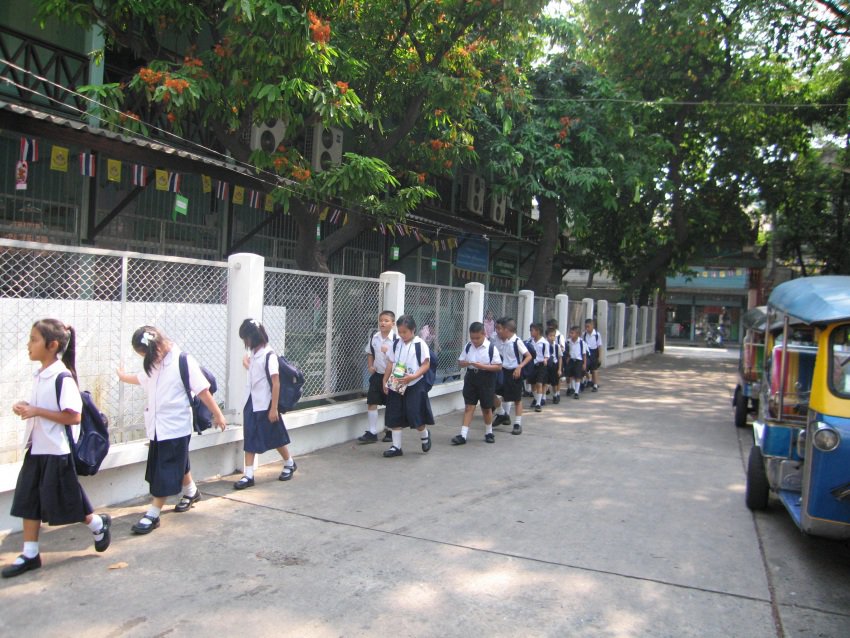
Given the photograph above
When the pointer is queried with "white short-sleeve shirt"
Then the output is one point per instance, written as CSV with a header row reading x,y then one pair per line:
x,y
576,349
44,436
556,351
541,350
258,382
168,414
381,348
406,353
481,354
506,350
592,339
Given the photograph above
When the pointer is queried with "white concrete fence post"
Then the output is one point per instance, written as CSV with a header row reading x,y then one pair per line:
x,y
394,285
621,327
633,326
562,312
602,327
588,309
245,292
474,310
644,318
526,313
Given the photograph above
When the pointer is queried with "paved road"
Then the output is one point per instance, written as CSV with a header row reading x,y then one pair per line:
x,y
620,514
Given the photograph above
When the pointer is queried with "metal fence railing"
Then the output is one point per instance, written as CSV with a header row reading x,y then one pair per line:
x,y
576,315
628,333
544,309
105,296
497,305
323,324
439,312
612,328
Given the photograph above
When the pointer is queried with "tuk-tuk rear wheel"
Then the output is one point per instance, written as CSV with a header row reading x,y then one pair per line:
x,y
742,405
758,488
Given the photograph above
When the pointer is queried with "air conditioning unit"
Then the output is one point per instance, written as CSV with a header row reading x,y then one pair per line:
x,y
267,136
323,147
498,208
472,193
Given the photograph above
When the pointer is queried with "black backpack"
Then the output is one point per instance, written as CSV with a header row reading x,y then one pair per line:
x,y
430,377
528,370
489,350
92,446
291,383
201,416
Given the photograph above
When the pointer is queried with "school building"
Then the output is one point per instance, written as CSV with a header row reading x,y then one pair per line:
x,y
67,180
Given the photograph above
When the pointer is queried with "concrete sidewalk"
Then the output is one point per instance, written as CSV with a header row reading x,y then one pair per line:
x,y
620,514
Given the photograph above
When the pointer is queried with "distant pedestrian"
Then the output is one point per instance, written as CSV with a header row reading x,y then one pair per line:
x,y
515,356
262,423
168,421
554,367
593,342
482,362
407,402
541,359
576,355
379,346
48,489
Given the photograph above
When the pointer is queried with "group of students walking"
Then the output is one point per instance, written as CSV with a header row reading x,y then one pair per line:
x,y
494,377
48,489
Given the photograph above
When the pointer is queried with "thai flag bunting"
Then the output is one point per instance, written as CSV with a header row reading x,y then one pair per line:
x,y
335,216
222,190
383,230
254,199
140,175
88,163
29,149
174,182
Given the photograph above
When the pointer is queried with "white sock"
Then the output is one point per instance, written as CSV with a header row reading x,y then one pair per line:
x,y
464,431
577,386
373,421
501,409
153,512
488,428
538,398
557,393
289,462
518,420
96,526
424,434
190,489
397,439
249,471
30,550
508,405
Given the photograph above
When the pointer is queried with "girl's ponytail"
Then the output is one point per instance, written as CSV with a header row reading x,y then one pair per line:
x,y
65,337
151,342
69,357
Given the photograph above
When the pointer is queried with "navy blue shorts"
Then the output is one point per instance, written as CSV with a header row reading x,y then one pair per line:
x,y
409,410
552,376
259,434
479,386
575,369
168,463
540,374
375,395
48,490
511,389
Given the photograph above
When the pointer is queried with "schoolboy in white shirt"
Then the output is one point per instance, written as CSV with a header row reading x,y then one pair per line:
x,y
483,363
576,353
515,356
594,352
541,359
376,351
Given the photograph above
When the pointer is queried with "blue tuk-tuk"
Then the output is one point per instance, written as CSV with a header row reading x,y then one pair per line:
x,y
802,434
745,400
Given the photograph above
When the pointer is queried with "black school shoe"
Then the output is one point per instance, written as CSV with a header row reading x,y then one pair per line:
x,y
393,451
368,437
186,502
388,437
145,528
244,483
28,565
489,438
288,471
517,429
538,408
426,442
103,544
556,399
501,419
458,440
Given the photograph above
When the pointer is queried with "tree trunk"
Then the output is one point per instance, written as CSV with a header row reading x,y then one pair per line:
x,y
661,318
311,254
541,271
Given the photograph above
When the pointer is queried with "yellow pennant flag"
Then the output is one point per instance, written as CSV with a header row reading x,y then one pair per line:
x,y
59,159
269,207
323,215
239,195
207,183
161,180
113,170
345,221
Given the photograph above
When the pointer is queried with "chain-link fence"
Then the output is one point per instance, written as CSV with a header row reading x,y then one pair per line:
x,y
105,296
544,309
498,305
628,323
576,315
612,327
323,324
439,313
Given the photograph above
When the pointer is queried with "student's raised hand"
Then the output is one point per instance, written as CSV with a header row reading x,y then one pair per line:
x,y
245,362
25,410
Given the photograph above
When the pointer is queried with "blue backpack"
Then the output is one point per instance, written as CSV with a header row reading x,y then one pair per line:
x,y
291,383
528,370
430,377
201,415
92,446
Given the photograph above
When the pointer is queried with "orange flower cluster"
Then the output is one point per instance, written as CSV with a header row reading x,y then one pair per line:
x,y
280,162
320,31
123,117
149,76
420,177
301,174
176,84
438,145
190,61
343,87
223,50
171,117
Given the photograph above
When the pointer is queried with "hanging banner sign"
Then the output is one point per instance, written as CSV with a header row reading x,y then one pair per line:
x,y
21,172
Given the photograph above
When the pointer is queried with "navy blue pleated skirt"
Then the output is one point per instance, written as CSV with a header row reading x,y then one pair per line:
x,y
260,434
48,490
168,463
409,410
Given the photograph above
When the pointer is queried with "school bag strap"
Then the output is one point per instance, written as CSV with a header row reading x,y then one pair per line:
x,y
371,347
201,415
430,375
92,445
489,350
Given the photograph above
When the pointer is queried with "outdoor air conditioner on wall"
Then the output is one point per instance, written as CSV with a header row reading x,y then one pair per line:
x,y
268,135
323,147
472,193
498,208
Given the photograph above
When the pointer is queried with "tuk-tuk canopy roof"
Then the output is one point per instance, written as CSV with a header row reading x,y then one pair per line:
x,y
755,318
814,299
